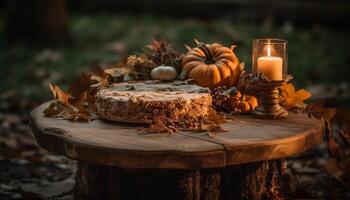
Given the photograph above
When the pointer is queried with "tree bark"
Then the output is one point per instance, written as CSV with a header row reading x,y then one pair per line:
x,y
36,22
261,180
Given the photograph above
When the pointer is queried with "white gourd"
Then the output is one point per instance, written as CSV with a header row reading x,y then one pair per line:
x,y
163,73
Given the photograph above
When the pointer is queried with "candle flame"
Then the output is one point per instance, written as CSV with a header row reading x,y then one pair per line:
x,y
268,50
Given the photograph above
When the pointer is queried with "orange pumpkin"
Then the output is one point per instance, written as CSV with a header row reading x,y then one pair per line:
x,y
212,65
243,103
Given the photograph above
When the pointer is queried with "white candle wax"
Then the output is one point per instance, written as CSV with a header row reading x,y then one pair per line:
x,y
271,67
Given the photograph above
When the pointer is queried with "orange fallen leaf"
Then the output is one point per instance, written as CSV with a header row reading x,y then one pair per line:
x,y
59,94
99,72
319,110
78,104
345,136
54,109
294,99
155,45
80,86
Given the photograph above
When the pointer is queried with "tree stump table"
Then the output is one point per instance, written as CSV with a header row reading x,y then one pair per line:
x,y
115,161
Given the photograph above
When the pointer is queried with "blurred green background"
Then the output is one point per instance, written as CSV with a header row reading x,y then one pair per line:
x,y
107,31
54,41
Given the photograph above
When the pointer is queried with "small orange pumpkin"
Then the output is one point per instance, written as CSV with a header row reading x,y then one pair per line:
x,y
243,103
212,65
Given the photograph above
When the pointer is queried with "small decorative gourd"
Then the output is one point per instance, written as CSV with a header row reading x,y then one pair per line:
x,y
163,73
243,103
212,65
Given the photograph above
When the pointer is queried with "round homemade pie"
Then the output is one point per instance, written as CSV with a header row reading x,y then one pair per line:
x,y
142,102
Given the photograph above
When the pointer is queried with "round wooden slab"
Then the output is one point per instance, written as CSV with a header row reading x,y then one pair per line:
x,y
116,144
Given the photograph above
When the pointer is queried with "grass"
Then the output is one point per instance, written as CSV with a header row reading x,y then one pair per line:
x,y
316,55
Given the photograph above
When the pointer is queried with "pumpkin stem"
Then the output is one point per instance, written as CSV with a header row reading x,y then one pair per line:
x,y
232,47
206,50
208,54
188,47
197,42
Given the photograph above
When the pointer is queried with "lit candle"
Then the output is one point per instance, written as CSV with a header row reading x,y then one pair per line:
x,y
270,66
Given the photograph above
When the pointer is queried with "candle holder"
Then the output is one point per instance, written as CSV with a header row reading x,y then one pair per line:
x,y
269,98
270,57
270,67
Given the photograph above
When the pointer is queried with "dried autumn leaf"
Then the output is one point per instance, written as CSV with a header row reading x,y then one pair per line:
x,y
155,45
117,73
292,98
212,124
54,109
333,147
345,136
66,106
81,117
162,53
71,113
333,169
90,99
80,104
212,128
59,94
140,67
211,134
99,73
216,117
319,110
80,86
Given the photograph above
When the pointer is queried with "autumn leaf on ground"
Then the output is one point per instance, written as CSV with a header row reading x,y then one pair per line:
x,y
333,169
333,147
292,98
339,165
345,136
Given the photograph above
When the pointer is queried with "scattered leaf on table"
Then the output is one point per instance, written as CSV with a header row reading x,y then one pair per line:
x,y
54,109
212,125
59,94
99,73
319,110
80,86
212,134
78,104
216,117
333,169
292,98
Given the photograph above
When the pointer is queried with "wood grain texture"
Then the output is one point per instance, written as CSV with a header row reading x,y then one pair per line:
x,y
118,144
249,139
253,181
122,145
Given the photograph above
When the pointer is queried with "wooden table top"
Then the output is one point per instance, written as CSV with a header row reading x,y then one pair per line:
x,y
246,140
